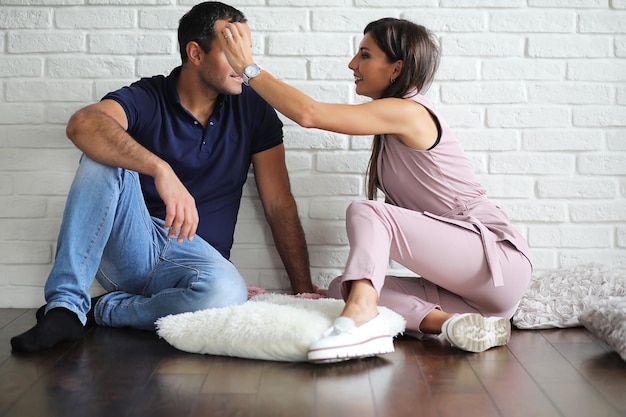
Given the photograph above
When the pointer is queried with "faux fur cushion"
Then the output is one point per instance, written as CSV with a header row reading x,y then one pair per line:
x,y
555,298
607,320
269,326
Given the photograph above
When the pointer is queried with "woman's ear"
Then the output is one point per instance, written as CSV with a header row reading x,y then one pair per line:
x,y
397,69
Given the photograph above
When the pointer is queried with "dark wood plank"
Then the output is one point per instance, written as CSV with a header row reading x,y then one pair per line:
x,y
19,372
602,368
557,377
122,372
512,389
7,315
452,382
343,389
99,376
233,376
399,386
13,322
167,395
286,390
224,405
186,364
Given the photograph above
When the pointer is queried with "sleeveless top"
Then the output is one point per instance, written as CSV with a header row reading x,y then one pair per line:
x,y
440,183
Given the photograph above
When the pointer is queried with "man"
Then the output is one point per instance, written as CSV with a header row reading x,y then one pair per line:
x,y
164,159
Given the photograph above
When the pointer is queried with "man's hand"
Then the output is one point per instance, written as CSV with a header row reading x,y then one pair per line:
x,y
99,130
322,292
181,213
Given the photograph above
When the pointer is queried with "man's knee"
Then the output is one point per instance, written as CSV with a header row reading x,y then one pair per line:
x,y
90,168
221,287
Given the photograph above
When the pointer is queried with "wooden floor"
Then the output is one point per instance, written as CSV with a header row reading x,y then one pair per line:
x,y
121,372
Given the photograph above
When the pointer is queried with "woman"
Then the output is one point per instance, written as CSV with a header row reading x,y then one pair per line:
x,y
436,219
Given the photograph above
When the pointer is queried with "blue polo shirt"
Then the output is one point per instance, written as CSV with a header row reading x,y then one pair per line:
x,y
212,162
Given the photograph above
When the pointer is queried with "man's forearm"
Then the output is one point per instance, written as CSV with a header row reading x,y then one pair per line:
x,y
103,139
291,246
99,131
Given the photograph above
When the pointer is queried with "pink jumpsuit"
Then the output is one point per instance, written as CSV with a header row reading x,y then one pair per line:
x,y
439,224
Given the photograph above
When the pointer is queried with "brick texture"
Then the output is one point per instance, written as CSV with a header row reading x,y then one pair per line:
x,y
535,90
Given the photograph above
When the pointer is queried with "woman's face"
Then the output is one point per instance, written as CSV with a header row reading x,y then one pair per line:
x,y
372,71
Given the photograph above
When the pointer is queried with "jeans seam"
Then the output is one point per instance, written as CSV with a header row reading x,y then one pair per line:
x,y
97,236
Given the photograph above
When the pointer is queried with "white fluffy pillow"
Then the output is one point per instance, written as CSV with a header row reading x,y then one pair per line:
x,y
555,298
607,320
269,326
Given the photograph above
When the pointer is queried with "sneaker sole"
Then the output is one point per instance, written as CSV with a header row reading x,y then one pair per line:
x,y
373,347
475,333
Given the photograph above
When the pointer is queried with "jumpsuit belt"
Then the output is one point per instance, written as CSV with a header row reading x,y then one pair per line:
x,y
490,244
491,247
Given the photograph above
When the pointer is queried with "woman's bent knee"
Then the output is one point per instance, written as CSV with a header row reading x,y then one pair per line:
x,y
362,208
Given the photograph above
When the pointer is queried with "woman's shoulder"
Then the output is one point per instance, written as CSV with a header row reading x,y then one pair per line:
x,y
421,99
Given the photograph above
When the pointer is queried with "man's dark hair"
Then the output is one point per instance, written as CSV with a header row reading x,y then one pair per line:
x,y
198,24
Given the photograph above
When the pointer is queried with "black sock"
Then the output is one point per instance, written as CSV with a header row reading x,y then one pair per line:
x,y
58,325
91,320
91,315
41,312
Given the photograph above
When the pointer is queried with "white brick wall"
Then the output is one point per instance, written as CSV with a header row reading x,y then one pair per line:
x,y
536,90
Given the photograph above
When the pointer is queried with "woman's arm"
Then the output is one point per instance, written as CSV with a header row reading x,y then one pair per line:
x,y
409,121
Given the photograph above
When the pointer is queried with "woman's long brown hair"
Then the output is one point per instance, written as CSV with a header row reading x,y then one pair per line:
x,y
417,48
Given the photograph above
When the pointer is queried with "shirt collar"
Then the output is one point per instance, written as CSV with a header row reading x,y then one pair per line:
x,y
171,85
173,93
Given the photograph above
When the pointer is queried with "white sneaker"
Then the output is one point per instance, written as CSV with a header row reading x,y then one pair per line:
x,y
475,333
345,341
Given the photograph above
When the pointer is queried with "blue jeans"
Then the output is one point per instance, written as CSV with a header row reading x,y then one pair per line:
x,y
108,234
